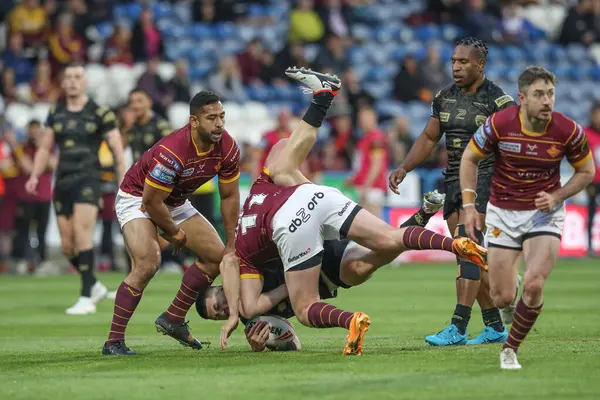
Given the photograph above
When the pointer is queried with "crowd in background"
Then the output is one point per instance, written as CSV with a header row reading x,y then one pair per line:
x,y
39,37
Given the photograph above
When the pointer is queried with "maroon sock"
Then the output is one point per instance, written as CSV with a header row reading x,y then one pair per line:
x,y
125,303
523,321
417,238
324,315
194,282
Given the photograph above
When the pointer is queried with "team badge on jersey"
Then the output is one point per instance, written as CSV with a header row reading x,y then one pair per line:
x,y
553,151
480,119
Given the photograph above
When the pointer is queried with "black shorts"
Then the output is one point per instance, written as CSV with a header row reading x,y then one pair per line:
x,y
81,191
330,267
453,200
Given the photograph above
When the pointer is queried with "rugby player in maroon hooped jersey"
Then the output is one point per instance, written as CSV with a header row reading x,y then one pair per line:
x,y
153,200
286,219
526,210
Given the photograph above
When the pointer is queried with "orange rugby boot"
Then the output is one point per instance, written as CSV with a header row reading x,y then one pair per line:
x,y
358,327
468,249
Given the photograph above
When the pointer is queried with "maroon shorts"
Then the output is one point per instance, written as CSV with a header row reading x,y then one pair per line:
x,y
10,204
108,207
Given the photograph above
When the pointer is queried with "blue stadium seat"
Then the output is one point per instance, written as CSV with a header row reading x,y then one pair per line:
x,y
557,53
171,29
163,10
513,54
120,11
429,32
199,31
406,35
362,32
416,49
451,32
357,55
201,70
577,53
495,55
389,108
133,11
225,30
386,33
105,30
379,90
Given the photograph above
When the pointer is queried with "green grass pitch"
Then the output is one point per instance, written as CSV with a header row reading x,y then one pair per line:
x,y
45,354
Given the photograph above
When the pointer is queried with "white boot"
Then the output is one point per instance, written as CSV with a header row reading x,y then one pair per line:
x,y
83,306
99,292
508,359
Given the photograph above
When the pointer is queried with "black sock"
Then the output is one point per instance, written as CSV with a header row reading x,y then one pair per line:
x,y
491,317
86,268
75,262
420,218
461,317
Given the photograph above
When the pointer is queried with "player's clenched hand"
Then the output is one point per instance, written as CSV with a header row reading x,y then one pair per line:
x,y
472,222
396,178
178,240
228,249
31,185
257,335
227,329
545,202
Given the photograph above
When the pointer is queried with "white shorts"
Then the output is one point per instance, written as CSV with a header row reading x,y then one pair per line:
x,y
510,228
129,207
312,214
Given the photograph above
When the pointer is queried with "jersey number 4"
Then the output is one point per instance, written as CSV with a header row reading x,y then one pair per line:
x,y
249,221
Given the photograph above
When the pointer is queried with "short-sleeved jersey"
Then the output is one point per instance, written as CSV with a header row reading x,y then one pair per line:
x,y
79,136
460,114
370,144
143,136
254,236
528,162
175,165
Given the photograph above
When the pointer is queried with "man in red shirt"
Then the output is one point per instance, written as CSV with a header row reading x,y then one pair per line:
x,y
593,136
282,131
372,163
526,211
153,200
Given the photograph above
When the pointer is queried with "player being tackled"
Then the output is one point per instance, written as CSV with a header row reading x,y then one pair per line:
x,y
284,213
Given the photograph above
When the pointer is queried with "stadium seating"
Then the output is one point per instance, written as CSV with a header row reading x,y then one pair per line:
x,y
384,41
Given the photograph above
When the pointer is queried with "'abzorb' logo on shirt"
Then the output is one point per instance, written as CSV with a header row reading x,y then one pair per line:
x,y
163,174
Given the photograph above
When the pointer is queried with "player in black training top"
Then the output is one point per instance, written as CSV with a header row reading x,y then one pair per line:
x,y
78,126
148,128
457,112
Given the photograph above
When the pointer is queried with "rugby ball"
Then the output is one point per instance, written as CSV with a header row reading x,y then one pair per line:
x,y
282,336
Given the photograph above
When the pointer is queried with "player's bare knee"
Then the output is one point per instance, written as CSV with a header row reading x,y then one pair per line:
x,y
68,250
533,286
146,265
502,298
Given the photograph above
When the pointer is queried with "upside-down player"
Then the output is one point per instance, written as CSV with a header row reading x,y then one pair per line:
x,y
286,218
153,199
345,264
526,211
456,112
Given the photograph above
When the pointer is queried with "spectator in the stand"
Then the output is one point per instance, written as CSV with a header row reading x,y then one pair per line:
x,y
515,27
580,25
212,11
305,24
282,130
82,19
160,92
8,86
356,95
247,163
42,87
370,175
435,70
337,18
100,10
117,49
332,55
343,140
10,175
250,62
32,208
13,57
29,19
146,40
180,83
227,81
593,136
478,22
292,54
270,73
65,44
410,84
400,140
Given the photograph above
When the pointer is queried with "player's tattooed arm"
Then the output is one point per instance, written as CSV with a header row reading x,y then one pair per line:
x,y
254,302
115,142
